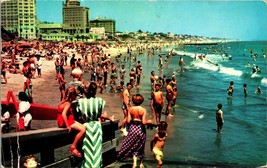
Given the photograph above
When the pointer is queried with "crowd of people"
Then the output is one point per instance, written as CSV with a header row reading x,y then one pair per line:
x,y
79,107
106,74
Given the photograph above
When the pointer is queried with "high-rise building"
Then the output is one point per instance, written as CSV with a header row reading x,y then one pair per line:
x,y
75,17
108,24
19,16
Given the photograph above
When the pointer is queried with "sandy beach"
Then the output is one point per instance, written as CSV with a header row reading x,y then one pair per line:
x,y
46,89
46,92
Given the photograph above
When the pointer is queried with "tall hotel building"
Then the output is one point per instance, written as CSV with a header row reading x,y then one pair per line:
x,y
75,17
19,16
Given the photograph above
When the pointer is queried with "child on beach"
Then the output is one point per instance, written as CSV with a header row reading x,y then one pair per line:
x,y
158,141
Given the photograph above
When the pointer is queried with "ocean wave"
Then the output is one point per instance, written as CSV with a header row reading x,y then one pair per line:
x,y
264,81
205,65
230,71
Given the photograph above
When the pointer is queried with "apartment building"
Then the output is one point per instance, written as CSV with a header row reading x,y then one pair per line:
x,y
19,17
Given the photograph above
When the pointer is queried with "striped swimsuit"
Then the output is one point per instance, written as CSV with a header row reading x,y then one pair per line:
x,y
91,110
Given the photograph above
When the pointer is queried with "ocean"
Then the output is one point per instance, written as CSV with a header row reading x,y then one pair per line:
x,y
201,86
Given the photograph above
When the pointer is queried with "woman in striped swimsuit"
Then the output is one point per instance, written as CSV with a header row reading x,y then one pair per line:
x,y
91,109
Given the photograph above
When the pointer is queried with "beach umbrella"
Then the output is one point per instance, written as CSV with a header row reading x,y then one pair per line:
x,y
23,45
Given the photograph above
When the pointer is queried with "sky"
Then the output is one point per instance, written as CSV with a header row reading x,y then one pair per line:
x,y
242,20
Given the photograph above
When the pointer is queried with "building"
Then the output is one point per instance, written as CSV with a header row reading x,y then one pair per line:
x,y
98,31
19,17
75,17
108,24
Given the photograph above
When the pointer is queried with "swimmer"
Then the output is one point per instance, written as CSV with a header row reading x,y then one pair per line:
x,y
258,90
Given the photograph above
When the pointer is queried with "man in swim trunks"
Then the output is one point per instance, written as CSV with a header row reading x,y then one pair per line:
x,y
169,97
153,81
125,106
157,102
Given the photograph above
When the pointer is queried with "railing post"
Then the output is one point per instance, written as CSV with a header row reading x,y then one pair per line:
x,y
47,155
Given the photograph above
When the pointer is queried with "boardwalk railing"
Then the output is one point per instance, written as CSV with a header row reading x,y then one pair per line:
x,y
46,141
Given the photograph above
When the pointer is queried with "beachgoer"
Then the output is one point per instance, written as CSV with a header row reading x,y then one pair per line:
x,y
93,72
254,68
122,73
258,69
85,62
39,67
23,111
230,89
219,118
120,87
77,82
245,90
138,73
175,93
65,119
25,73
79,63
132,75
30,162
174,86
248,64
169,97
163,80
153,81
57,67
61,83
113,69
258,90
158,141
4,70
134,144
32,63
160,65
100,84
112,84
29,86
91,109
181,64
5,119
126,104
157,102
72,61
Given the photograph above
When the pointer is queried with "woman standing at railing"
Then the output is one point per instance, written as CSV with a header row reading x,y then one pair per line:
x,y
91,109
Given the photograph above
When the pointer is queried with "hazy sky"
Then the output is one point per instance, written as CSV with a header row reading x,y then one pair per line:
x,y
243,20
